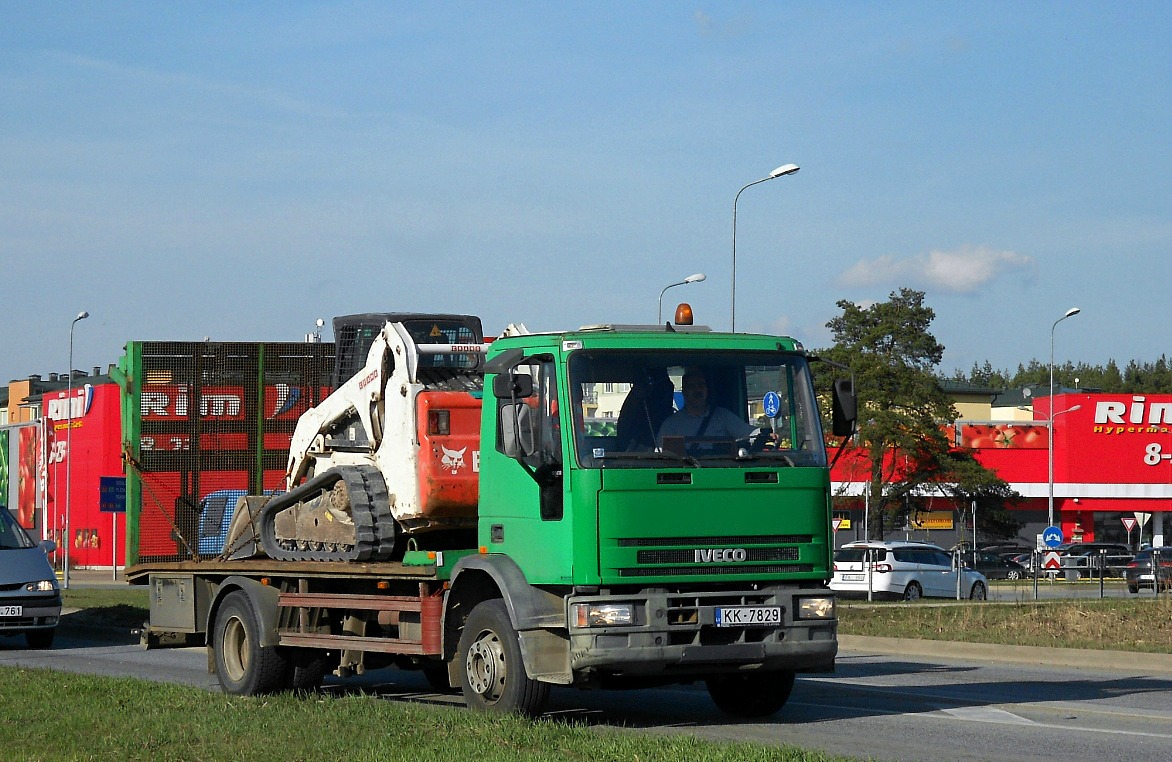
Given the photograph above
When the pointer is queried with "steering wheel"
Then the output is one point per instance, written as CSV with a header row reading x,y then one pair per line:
x,y
761,439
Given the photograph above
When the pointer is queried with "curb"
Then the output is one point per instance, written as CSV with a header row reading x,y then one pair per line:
x,y
1115,661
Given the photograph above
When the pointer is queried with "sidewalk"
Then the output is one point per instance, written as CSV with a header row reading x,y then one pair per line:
x,y
94,578
1130,661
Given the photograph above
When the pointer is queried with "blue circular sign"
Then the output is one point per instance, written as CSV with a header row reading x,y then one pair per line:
x,y
1052,537
772,404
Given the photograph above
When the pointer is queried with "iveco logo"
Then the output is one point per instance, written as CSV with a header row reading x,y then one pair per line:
x,y
720,555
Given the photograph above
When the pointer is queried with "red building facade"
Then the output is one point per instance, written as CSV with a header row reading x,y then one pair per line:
x,y
1112,466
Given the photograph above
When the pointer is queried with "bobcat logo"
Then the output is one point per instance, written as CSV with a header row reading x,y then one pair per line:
x,y
453,460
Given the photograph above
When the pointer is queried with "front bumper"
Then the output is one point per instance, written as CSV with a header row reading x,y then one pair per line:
x,y
675,634
40,612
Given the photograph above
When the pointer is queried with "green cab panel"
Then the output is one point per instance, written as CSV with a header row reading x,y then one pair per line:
x,y
708,524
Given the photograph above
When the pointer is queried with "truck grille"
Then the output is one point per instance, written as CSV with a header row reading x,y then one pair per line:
x,y
715,542
688,556
713,569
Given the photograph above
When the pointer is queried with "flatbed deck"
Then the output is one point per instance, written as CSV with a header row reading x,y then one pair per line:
x,y
139,574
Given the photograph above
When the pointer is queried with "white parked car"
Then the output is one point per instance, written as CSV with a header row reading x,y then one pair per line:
x,y
907,570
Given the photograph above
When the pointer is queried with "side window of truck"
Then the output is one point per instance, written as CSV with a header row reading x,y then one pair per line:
x,y
530,427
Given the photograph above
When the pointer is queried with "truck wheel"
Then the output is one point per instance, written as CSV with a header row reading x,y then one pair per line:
x,y
306,671
243,666
758,694
493,677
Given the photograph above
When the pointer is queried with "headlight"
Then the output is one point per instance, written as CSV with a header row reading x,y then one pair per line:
x,y
815,608
42,586
604,614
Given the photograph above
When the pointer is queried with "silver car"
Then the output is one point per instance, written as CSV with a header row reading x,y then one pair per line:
x,y
30,600
907,570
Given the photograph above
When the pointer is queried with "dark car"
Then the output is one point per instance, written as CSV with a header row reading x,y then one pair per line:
x,y
1009,549
995,566
30,601
1083,559
1138,572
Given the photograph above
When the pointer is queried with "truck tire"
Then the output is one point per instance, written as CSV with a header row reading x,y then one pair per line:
x,y
492,671
243,666
306,671
757,694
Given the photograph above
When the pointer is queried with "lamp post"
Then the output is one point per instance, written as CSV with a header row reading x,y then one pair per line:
x,y
784,169
68,449
1050,439
690,279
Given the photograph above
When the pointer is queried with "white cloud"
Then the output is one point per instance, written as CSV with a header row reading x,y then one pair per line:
x,y
963,270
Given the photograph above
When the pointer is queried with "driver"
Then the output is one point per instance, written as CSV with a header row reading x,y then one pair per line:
x,y
699,419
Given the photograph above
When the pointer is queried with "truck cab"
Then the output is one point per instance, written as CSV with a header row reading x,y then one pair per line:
x,y
654,558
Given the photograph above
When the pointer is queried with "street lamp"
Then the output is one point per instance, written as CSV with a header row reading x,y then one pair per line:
x,y
784,169
1050,448
68,449
690,279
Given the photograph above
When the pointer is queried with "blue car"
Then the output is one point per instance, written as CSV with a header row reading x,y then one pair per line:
x,y
30,600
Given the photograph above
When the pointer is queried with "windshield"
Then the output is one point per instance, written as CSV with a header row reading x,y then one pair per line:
x,y
11,535
695,409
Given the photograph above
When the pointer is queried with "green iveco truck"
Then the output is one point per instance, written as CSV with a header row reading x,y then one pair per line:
x,y
613,507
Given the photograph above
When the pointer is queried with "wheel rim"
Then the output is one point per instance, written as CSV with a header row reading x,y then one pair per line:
x,y
912,593
235,649
485,666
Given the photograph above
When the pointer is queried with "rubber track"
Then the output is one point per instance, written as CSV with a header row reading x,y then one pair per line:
x,y
374,526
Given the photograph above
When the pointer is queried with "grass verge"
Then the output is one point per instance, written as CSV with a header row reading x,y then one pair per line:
x,y
52,715
1135,624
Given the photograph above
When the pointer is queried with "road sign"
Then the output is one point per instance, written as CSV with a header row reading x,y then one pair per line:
x,y
1129,523
112,494
836,523
1052,561
1052,537
772,404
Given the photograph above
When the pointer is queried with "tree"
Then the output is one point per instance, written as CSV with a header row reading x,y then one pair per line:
x,y
903,411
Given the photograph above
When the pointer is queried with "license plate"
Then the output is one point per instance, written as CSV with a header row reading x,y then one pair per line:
x,y
11,611
852,578
748,616
1147,576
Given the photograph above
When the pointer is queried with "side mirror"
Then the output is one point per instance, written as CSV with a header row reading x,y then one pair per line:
x,y
48,546
845,408
509,386
518,439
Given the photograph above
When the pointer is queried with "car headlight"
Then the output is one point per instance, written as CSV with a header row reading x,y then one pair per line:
x,y
816,608
604,614
42,586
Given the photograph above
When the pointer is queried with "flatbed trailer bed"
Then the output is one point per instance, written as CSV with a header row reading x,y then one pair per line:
x,y
303,604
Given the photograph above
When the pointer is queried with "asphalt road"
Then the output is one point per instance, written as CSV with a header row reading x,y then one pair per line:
x,y
876,706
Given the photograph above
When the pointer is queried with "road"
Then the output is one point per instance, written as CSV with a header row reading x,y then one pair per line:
x,y
875,706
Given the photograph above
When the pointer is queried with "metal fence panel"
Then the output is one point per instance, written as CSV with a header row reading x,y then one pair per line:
x,y
202,423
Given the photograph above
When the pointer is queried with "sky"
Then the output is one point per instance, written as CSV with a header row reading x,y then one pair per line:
x,y
238,170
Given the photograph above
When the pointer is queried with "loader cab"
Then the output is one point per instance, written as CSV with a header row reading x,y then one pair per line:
x,y
354,335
